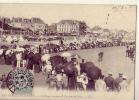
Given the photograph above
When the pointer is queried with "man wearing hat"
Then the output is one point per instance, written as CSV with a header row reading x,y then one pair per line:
x,y
65,81
100,85
82,81
52,80
77,66
109,80
123,85
7,56
117,81
82,64
47,69
3,80
18,59
19,51
59,81
100,55
75,57
120,78
25,57
30,59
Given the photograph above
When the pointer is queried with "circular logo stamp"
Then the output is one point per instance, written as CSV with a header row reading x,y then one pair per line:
x,y
20,80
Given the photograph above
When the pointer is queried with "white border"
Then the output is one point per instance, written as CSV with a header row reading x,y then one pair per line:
x,y
137,58
73,1
130,2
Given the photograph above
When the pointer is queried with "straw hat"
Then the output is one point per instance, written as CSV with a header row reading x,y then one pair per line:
x,y
124,77
110,73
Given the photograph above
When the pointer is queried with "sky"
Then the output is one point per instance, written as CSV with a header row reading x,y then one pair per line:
x,y
120,17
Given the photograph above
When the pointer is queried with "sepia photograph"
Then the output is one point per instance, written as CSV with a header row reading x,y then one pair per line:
x,y
58,51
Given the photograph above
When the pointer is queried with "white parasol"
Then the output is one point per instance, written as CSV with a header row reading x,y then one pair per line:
x,y
45,57
75,56
124,76
9,39
8,52
21,39
1,51
66,54
36,45
19,49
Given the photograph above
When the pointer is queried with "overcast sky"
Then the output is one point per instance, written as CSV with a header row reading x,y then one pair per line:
x,y
119,17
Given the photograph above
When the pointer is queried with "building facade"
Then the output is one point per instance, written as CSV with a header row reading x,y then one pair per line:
x,y
68,27
52,29
5,20
34,24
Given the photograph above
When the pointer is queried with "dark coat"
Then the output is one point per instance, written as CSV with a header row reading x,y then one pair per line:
x,y
37,62
71,72
92,71
3,80
30,60
109,82
13,57
72,82
25,55
57,63
70,69
91,85
117,82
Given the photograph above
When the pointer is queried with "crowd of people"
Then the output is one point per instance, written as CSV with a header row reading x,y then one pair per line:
x,y
36,60
130,52
105,83
53,48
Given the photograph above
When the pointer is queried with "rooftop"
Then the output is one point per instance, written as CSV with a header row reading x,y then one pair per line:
x,y
69,21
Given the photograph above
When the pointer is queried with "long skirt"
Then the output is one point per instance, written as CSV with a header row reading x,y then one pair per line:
x,y
71,82
37,68
30,64
91,85
8,60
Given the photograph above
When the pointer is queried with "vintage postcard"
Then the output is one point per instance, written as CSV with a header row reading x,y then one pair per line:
x,y
64,51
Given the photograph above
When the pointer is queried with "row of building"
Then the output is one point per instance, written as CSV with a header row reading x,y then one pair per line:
x,y
36,26
63,27
33,24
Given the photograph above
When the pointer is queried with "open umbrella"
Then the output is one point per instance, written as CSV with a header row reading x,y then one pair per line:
x,y
1,51
45,57
75,56
19,49
26,46
66,54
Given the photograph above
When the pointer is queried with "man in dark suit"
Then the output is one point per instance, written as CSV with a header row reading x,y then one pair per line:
x,y
109,80
117,81
82,65
3,80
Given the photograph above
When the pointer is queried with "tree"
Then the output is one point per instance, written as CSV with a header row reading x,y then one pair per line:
x,y
106,30
82,27
96,28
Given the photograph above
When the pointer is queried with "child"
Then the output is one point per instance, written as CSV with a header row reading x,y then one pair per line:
x,y
59,81
3,80
52,80
82,81
19,59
